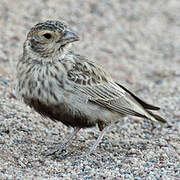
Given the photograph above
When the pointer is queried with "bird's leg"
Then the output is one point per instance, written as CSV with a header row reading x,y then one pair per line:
x,y
97,141
63,144
100,125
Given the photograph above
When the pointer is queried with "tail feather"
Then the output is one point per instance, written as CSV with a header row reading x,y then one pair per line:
x,y
157,117
140,101
147,107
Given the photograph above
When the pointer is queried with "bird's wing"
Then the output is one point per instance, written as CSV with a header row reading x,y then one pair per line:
x,y
93,81
142,102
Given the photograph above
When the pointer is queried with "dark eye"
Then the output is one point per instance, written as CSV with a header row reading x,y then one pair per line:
x,y
47,35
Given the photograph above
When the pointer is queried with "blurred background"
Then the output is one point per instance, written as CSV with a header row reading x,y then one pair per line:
x,y
137,42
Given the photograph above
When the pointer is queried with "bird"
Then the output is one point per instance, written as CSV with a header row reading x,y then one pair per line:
x,y
70,88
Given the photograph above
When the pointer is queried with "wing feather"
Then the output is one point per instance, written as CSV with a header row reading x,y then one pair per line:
x,y
142,102
99,88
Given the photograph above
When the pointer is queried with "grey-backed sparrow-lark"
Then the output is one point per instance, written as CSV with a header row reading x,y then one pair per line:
x,y
70,88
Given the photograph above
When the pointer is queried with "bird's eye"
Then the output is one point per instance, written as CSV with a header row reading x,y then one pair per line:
x,y
47,35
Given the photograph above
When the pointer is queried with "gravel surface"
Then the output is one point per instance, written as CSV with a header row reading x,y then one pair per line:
x,y
138,42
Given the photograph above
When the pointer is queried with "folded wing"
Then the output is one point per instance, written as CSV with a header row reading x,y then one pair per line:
x,y
99,88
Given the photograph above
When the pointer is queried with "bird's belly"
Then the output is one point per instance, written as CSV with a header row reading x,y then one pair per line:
x,y
62,113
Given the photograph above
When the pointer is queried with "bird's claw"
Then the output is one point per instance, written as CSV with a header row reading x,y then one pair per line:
x,y
53,151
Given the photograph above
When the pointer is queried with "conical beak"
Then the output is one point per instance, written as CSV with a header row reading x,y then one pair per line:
x,y
68,37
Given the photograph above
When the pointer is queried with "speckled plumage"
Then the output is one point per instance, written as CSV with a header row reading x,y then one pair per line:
x,y
70,88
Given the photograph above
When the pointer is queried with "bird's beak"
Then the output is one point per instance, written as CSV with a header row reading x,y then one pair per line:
x,y
68,37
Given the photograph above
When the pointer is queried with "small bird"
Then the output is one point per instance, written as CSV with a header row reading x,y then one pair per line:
x,y
67,87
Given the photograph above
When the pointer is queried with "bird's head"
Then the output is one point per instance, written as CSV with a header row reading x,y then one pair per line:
x,y
50,38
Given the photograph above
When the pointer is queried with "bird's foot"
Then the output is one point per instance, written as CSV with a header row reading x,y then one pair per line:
x,y
54,151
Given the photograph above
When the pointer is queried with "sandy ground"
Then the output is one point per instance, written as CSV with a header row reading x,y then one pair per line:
x,y
138,42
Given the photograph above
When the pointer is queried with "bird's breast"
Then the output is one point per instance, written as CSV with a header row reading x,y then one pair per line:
x,y
40,82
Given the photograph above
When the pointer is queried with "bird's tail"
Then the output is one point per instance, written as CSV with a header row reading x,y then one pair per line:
x,y
157,117
145,108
